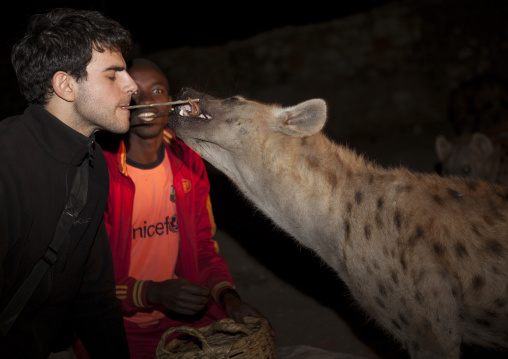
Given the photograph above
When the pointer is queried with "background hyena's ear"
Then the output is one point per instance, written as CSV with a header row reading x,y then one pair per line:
x,y
482,143
443,147
304,119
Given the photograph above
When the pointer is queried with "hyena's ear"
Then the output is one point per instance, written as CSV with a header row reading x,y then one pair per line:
x,y
443,147
304,119
482,143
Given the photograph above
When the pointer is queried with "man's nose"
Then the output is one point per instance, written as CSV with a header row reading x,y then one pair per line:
x,y
130,85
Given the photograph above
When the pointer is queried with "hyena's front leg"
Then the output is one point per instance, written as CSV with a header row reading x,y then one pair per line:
x,y
413,299
433,327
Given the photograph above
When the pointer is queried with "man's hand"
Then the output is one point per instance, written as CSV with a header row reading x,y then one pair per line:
x,y
178,295
237,309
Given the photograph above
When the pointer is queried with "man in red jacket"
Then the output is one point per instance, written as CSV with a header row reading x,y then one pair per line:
x,y
159,219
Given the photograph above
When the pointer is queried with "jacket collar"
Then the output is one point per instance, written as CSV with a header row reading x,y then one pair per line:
x,y
53,135
173,149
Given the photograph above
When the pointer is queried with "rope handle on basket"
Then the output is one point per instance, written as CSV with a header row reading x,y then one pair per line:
x,y
225,325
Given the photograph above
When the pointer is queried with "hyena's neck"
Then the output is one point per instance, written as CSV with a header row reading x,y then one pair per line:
x,y
299,182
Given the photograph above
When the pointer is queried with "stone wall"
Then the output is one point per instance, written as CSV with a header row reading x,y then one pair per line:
x,y
387,70
390,69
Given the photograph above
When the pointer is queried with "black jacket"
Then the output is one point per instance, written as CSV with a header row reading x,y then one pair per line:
x,y
39,156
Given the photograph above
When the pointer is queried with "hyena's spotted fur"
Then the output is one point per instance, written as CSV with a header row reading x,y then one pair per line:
x,y
426,256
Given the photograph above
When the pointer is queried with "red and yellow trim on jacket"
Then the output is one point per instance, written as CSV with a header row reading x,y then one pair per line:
x,y
133,291
167,136
122,159
219,288
122,153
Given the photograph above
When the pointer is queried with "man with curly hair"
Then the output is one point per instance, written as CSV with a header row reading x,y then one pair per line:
x,y
70,68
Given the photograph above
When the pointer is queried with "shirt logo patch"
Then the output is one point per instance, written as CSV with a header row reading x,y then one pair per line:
x,y
172,194
186,185
174,224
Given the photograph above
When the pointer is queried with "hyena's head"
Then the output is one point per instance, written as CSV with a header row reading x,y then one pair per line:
x,y
222,130
466,156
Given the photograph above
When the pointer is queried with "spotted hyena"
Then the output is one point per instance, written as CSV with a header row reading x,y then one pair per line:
x,y
475,155
425,256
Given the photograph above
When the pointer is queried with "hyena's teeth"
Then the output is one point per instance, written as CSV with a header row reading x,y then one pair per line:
x,y
185,110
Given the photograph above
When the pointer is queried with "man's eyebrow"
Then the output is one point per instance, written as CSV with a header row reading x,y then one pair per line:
x,y
115,68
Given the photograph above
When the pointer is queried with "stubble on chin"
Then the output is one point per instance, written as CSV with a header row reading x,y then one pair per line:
x,y
99,117
123,125
117,124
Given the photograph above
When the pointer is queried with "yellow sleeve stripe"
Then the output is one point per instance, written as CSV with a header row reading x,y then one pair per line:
x,y
136,294
210,215
218,288
121,291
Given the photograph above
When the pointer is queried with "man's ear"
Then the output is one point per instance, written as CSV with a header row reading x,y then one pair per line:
x,y
63,85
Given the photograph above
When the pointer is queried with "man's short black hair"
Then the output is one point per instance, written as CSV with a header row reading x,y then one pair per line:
x,y
63,40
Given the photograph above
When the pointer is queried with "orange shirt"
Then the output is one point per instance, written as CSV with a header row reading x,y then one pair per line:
x,y
155,237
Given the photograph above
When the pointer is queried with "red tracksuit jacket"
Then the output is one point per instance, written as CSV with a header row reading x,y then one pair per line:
x,y
198,258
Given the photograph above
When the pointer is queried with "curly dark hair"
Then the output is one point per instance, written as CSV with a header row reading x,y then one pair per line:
x,y
63,40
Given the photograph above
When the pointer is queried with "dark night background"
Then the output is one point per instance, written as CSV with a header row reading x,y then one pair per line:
x,y
158,26
163,25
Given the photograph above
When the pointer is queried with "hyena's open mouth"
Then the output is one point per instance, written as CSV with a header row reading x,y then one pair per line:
x,y
192,109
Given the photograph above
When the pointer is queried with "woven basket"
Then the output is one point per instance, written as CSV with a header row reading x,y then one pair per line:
x,y
222,339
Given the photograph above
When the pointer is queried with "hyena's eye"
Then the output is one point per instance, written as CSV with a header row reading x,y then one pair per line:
x,y
466,170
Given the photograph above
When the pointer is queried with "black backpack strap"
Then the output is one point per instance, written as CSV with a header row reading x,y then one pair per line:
x,y
75,203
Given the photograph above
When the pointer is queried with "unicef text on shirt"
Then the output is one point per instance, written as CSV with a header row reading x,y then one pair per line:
x,y
158,229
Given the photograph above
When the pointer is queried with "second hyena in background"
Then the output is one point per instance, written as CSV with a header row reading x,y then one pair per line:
x,y
478,114
476,155
426,256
